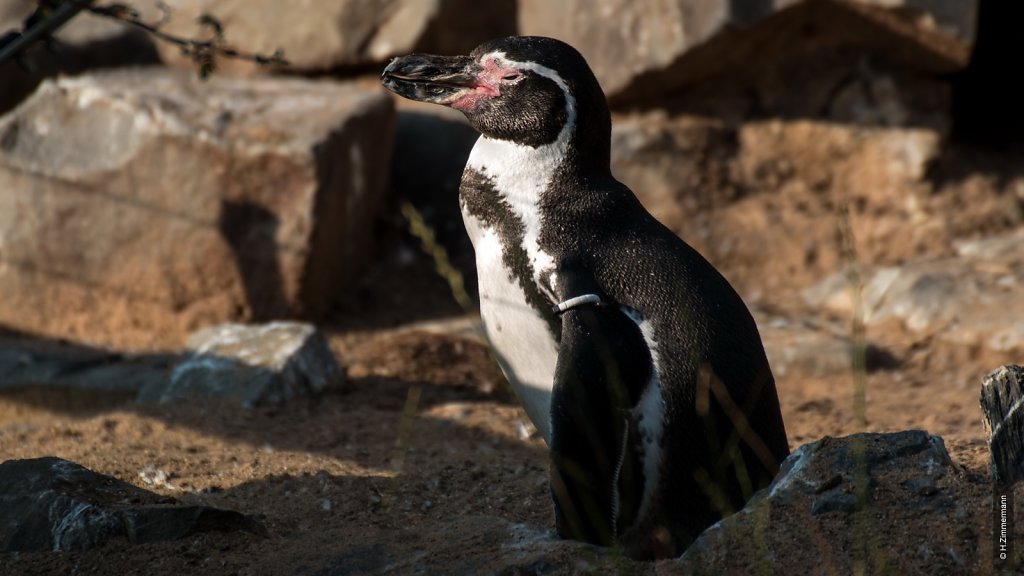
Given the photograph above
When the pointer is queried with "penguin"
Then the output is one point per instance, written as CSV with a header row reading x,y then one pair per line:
x,y
635,358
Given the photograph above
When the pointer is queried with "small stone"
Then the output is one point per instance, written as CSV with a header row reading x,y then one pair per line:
x,y
156,477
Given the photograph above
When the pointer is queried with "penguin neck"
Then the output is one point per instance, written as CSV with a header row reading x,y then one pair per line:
x,y
522,174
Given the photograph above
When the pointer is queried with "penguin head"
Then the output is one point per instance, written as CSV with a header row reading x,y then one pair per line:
x,y
524,89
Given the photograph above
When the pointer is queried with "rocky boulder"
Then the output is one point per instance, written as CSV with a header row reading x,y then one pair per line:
x,y
645,50
266,364
53,504
324,35
138,205
850,499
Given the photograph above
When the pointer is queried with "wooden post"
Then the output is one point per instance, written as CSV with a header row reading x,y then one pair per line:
x,y
1002,402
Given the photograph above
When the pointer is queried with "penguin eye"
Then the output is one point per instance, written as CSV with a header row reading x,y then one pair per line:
x,y
511,76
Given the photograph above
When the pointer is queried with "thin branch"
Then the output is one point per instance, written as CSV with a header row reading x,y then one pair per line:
x,y
203,52
42,28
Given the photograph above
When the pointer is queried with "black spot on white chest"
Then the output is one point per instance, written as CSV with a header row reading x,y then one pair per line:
x,y
506,243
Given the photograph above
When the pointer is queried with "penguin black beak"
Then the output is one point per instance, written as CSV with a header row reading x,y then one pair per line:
x,y
429,78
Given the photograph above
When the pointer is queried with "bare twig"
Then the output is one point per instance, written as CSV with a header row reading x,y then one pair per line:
x,y
203,52
43,28
419,228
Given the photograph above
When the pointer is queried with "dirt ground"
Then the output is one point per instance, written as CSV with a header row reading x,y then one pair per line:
x,y
426,429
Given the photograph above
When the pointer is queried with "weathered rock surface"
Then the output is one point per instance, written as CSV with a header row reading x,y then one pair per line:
x,y
326,34
645,50
910,487
52,504
266,364
138,205
707,179
85,43
972,298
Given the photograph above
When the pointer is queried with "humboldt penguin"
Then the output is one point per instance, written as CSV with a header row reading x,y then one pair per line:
x,y
634,357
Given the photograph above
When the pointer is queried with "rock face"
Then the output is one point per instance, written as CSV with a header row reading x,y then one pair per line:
x,y
321,35
693,40
729,188
910,487
53,504
138,205
268,364
973,298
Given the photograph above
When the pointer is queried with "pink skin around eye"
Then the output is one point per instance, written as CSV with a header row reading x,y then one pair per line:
x,y
488,85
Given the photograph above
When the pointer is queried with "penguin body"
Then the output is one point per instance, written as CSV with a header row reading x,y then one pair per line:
x,y
634,357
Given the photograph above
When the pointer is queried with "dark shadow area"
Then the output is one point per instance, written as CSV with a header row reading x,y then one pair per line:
x,y
877,358
319,474
959,160
42,61
987,96
373,522
402,285
251,230
429,157
987,133
79,381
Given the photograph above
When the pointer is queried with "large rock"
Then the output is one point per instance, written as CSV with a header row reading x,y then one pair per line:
x,y
138,205
322,35
53,504
85,43
972,298
259,365
888,500
645,50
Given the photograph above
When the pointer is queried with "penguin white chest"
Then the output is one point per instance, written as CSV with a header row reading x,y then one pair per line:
x,y
520,337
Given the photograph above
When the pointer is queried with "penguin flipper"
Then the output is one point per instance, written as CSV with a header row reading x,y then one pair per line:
x,y
596,477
